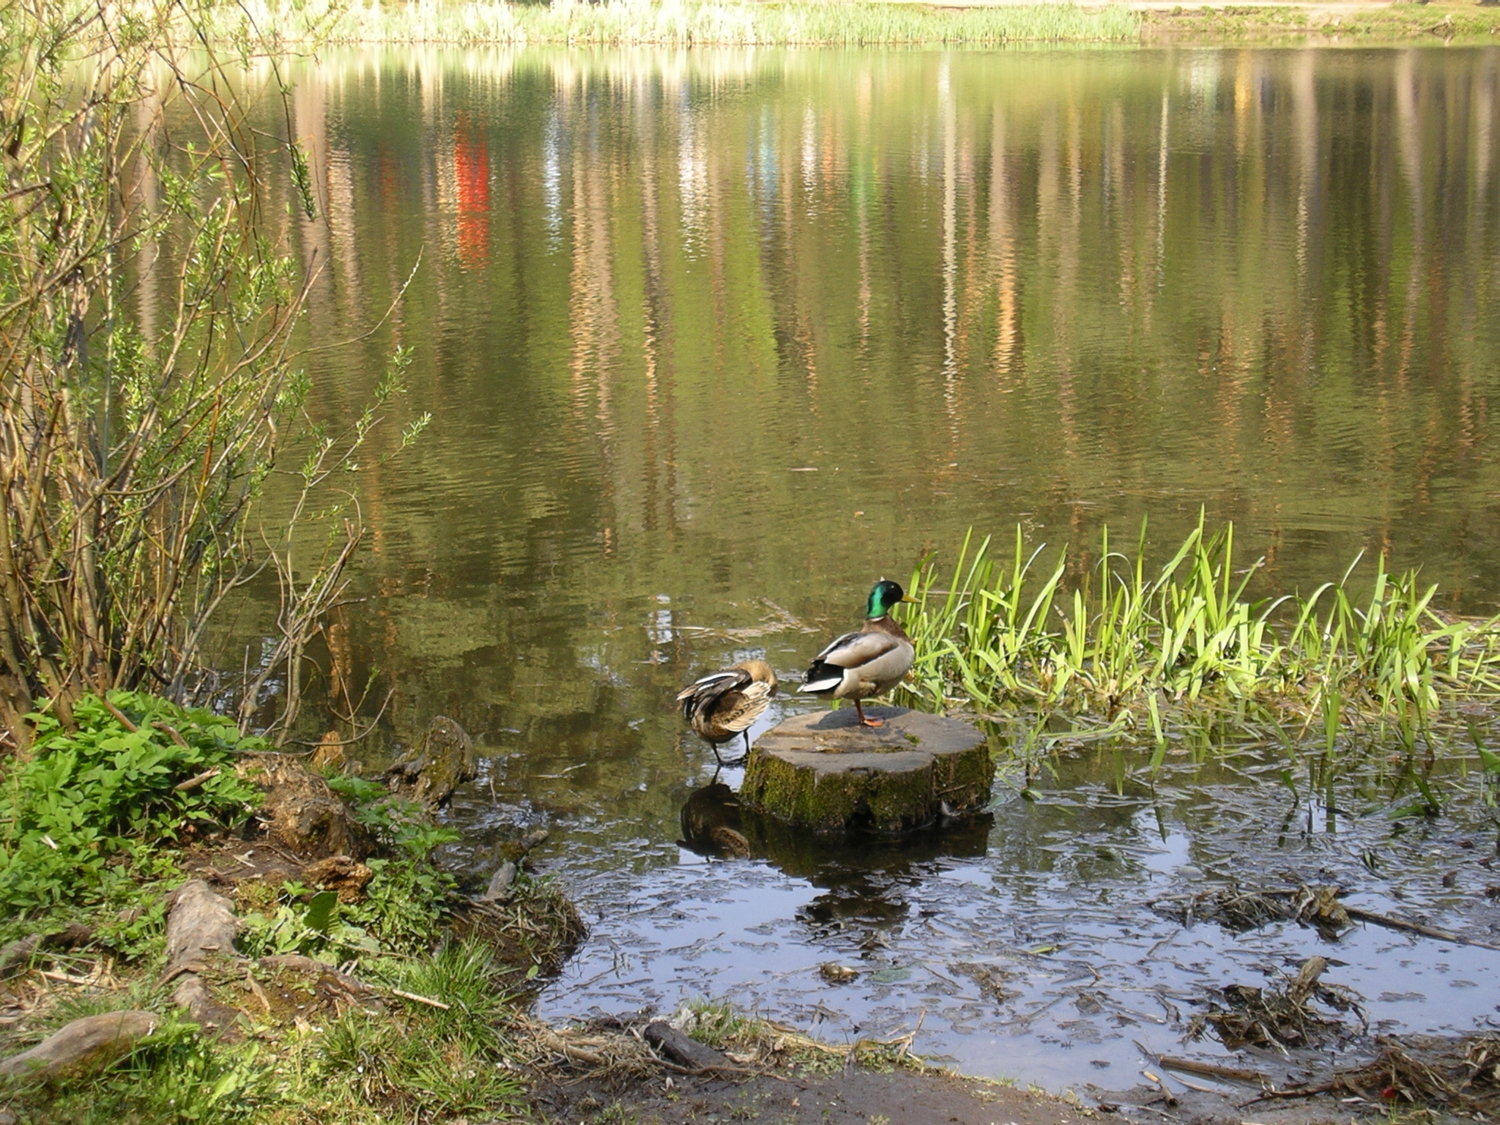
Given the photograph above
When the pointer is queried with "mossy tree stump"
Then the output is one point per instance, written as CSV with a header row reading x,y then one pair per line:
x,y
825,772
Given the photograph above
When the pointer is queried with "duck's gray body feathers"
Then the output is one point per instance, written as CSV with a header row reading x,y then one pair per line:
x,y
859,665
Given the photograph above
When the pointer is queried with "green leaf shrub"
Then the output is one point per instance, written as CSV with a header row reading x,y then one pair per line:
x,y
88,809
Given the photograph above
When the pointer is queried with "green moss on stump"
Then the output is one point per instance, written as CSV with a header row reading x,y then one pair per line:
x,y
825,772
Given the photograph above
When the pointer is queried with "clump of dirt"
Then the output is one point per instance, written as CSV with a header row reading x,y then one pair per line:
x,y
341,874
289,990
538,926
301,814
992,980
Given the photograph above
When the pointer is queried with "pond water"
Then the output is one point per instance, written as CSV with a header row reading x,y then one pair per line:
x,y
712,340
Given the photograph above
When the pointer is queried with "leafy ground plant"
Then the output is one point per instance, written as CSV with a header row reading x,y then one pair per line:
x,y
82,819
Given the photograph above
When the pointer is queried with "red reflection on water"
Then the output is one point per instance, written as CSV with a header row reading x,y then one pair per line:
x,y
471,170
390,183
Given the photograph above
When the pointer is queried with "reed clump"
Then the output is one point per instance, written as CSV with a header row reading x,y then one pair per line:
x,y
1125,642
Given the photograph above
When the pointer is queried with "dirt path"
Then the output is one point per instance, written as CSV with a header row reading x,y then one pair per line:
x,y
858,1098
902,1097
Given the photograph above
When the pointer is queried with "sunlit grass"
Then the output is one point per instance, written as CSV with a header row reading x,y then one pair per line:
x,y
1436,23
683,23
1129,643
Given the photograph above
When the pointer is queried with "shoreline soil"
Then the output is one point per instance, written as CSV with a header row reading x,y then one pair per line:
x,y
246,974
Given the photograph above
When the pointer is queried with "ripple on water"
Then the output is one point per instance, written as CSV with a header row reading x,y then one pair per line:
x,y
1039,954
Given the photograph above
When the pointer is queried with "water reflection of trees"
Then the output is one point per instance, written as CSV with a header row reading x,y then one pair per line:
x,y
1084,287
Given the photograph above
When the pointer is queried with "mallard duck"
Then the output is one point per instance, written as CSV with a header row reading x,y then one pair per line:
x,y
723,704
869,662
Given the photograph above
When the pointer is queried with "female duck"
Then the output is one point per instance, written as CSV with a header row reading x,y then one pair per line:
x,y
869,662
724,704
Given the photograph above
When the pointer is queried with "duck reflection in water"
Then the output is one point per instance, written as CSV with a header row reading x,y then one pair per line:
x,y
865,878
711,823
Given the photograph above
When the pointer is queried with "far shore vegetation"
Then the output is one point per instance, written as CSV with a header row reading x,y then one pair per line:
x,y
846,23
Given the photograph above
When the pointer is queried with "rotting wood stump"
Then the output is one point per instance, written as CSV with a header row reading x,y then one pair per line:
x,y
825,772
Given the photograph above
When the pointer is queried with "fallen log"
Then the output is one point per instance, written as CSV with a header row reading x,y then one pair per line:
x,y
684,1050
200,925
85,1044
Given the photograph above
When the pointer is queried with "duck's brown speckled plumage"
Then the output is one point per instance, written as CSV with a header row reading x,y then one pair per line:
x,y
723,704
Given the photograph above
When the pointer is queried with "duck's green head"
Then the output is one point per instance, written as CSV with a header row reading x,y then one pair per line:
x,y
883,598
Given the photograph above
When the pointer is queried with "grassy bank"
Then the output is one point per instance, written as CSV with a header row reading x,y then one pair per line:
x,y
739,23
424,1017
1405,23
674,23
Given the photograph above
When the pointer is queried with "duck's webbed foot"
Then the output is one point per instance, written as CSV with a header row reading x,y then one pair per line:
x,y
730,763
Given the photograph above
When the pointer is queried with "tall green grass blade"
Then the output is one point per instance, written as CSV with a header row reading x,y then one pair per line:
x,y
1124,638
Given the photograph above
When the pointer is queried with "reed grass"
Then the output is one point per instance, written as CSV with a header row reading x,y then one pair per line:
x,y
1130,644
678,23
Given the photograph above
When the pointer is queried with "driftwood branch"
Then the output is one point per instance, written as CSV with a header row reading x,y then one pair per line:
x,y
1391,922
685,1050
196,780
84,1044
1214,1070
428,1000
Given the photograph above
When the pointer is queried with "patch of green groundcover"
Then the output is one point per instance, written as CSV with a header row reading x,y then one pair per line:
x,y
83,818
94,820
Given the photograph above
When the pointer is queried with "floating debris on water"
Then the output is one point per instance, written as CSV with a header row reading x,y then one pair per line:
x,y
1241,911
1278,1019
